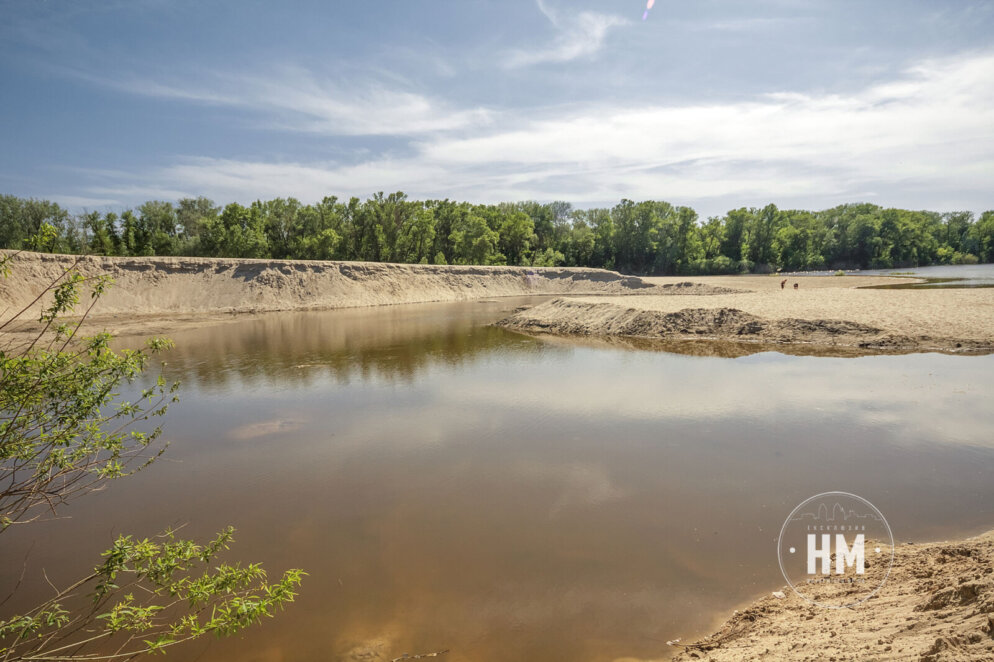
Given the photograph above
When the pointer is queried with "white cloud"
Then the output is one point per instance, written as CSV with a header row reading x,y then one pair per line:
x,y
926,138
578,36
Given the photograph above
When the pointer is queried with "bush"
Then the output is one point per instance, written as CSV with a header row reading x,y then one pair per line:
x,y
64,432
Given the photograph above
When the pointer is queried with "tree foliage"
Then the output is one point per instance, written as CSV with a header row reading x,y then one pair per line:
x,y
146,596
648,237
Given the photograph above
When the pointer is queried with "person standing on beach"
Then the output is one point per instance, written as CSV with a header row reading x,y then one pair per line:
x,y
783,283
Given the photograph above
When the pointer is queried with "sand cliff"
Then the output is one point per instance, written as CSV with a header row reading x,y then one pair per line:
x,y
191,289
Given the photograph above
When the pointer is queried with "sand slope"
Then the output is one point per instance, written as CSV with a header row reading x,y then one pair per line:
x,y
937,605
194,288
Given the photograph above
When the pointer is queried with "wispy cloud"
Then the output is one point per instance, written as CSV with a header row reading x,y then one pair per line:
x,y
582,35
296,99
918,137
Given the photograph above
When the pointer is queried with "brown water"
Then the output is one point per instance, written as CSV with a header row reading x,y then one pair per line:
x,y
450,485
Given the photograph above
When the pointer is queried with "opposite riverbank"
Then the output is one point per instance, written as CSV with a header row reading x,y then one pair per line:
x,y
833,314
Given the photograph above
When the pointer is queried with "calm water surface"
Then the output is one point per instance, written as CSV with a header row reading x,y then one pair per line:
x,y
944,275
449,485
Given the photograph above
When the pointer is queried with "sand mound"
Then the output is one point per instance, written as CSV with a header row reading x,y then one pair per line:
x,y
688,288
177,286
609,318
937,604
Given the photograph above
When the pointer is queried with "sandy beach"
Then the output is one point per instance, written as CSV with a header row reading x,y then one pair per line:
x,y
937,604
824,312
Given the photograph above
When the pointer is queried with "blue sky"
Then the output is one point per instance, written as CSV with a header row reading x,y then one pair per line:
x,y
712,103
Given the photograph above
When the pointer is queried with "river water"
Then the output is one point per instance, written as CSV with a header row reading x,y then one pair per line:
x,y
939,275
450,485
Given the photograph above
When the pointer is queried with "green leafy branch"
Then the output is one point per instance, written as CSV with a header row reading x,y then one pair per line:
x,y
147,596
63,427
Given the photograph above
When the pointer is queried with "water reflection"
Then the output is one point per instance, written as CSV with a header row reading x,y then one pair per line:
x,y
391,343
451,485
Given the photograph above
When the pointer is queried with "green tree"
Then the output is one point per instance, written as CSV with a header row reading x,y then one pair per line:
x,y
280,219
637,231
762,230
686,241
417,237
712,237
983,234
132,240
43,241
581,244
22,219
604,238
517,236
157,228
543,220
473,241
237,232
317,232
104,239
640,237
735,244
193,213
547,258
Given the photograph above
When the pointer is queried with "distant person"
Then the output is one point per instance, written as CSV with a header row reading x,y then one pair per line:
x,y
796,285
783,283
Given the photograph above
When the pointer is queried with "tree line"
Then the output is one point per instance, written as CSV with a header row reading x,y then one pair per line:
x,y
649,237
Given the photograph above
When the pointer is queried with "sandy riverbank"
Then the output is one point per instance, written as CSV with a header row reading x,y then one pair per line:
x,y
937,604
153,294
825,313
156,294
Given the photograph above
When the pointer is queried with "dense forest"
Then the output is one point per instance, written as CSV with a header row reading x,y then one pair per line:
x,y
634,237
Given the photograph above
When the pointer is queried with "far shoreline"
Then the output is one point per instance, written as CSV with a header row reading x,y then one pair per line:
x,y
826,315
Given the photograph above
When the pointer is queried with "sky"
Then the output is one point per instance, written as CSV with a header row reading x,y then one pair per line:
x,y
715,104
